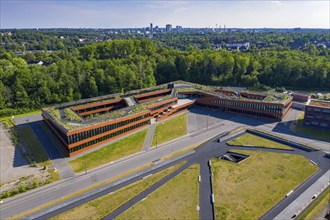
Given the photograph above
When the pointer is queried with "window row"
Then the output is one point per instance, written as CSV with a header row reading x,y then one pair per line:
x,y
241,111
272,108
91,133
79,147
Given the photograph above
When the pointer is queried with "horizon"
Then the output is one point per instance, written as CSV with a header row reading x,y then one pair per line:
x,y
188,14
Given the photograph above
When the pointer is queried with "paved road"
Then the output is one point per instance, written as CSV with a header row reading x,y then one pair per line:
x,y
61,164
209,150
305,198
42,195
205,192
45,194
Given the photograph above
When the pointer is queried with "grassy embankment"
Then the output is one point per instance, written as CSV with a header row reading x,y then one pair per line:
x,y
177,199
247,190
114,151
99,208
255,141
170,129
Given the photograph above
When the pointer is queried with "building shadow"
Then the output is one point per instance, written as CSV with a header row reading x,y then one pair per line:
x,y
19,158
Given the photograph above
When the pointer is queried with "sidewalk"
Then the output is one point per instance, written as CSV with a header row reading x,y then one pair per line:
x,y
298,205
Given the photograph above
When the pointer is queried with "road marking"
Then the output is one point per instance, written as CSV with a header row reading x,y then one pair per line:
x,y
289,193
313,162
147,176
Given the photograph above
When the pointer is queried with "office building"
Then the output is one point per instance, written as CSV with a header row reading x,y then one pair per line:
x,y
85,124
317,113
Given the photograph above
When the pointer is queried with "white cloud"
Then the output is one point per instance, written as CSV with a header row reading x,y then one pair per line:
x,y
276,2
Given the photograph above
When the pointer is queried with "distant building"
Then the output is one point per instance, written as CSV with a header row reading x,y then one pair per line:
x,y
317,113
300,97
238,46
168,27
178,28
151,31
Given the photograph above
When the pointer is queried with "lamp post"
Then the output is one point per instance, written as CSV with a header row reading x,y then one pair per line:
x,y
85,163
156,138
207,122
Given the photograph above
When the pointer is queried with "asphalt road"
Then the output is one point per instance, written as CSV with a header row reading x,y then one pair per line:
x,y
207,151
42,195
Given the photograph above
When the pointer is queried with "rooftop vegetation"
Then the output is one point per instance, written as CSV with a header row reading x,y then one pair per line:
x,y
71,115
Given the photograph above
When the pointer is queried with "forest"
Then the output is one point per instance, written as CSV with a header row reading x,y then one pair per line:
x,y
76,72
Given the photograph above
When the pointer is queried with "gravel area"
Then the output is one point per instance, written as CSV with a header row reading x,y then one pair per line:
x,y
13,164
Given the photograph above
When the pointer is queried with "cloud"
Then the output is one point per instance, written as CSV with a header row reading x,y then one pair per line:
x,y
276,2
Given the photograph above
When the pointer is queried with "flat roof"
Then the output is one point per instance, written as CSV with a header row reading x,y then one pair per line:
x,y
59,112
319,103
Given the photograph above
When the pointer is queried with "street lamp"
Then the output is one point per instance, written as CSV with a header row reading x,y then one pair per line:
x,y
85,163
207,122
156,138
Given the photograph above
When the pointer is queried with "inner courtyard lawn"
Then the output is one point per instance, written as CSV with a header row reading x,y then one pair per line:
x,y
249,189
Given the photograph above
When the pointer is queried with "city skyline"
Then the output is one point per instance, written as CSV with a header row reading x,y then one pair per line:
x,y
134,14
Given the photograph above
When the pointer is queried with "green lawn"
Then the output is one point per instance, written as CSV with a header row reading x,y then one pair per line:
x,y
99,208
249,189
320,204
253,140
26,136
177,199
170,129
21,115
312,131
122,148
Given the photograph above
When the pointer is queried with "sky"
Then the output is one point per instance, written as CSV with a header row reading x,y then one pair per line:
x,y
131,14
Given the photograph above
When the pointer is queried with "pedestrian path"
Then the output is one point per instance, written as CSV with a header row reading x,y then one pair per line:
x,y
150,135
296,207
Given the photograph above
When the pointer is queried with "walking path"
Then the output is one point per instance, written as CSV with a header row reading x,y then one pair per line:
x,y
305,198
150,135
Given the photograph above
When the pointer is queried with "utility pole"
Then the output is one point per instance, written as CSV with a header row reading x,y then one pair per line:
x,y
85,164
156,138
207,122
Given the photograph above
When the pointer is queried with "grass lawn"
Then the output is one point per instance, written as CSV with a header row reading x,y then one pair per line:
x,y
320,204
177,199
249,189
253,140
21,115
312,131
170,129
26,135
104,205
122,148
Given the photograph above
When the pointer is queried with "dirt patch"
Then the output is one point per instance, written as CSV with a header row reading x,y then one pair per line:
x,y
13,164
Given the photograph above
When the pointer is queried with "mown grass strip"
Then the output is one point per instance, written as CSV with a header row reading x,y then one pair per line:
x,y
170,129
177,199
255,141
99,208
119,149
